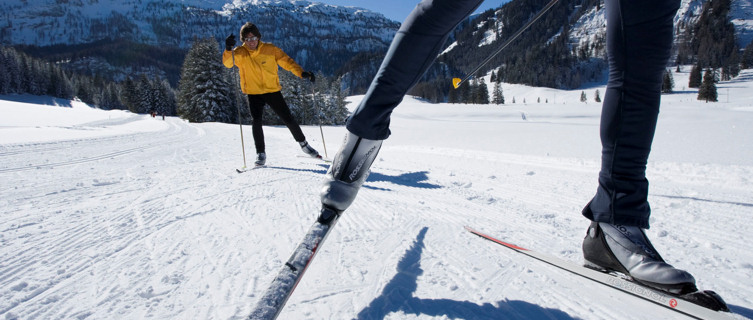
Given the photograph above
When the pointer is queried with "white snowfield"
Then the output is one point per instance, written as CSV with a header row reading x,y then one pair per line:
x,y
111,215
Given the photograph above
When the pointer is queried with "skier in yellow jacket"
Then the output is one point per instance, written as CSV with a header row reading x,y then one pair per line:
x,y
258,63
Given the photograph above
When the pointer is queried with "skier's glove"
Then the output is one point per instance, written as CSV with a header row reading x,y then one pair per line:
x,y
308,75
230,42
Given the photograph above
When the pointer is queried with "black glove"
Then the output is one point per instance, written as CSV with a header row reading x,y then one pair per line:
x,y
230,42
308,75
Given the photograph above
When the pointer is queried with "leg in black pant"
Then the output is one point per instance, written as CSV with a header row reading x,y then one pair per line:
x,y
256,103
281,109
639,39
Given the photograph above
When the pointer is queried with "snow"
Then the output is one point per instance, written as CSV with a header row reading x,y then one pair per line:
x,y
113,215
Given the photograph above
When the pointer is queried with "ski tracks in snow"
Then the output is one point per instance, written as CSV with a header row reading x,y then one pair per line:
x,y
169,230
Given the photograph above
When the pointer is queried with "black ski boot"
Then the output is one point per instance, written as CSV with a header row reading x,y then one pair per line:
x,y
628,250
261,159
349,170
306,147
608,247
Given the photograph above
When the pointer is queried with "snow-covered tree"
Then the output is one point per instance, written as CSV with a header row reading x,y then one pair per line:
x,y
204,92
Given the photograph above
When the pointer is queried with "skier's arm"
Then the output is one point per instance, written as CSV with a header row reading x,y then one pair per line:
x,y
287,63
227,59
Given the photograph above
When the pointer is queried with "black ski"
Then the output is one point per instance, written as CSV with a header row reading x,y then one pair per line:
x,y
271,303
664,299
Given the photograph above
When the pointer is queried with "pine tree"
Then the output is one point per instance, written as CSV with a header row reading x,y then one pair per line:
x,y
746,61
668,82
145,100
204,93
482,92
129,95
695,77
707,91
498,97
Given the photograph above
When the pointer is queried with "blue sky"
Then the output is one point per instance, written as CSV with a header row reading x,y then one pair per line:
x,y
398,9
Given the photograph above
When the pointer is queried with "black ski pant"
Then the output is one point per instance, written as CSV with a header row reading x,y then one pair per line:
x,y
276,102
414,48
639,40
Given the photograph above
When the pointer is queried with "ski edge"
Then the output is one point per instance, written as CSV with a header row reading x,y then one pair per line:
x,y
657,297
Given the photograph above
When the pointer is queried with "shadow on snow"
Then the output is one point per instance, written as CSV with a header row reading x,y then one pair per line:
x,y
409,179
398,296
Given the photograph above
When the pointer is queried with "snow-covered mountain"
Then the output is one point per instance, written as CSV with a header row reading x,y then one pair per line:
x,y
177,22
311,31
326,38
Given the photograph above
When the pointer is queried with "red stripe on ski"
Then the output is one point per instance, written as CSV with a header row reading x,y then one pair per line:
x,y
488,237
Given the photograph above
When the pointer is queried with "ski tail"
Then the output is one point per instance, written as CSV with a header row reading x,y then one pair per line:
x,y
272,302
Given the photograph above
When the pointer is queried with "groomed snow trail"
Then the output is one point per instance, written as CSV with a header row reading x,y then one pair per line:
x,y
158,225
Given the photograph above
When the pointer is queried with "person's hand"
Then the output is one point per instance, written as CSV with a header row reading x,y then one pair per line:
x,y
308,75
230,42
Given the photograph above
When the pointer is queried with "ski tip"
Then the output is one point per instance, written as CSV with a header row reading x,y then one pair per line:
x,y
456,82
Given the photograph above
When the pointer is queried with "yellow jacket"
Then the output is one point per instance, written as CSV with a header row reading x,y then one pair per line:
x,y
258,68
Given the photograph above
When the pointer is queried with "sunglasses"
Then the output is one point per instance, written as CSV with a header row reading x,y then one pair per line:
x,y
250,39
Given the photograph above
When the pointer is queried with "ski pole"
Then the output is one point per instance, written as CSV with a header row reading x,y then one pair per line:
x,y
456,82
237,103
319,118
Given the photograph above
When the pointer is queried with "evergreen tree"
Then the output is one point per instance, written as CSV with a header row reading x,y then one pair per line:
x,y
707,91
482,92
4,80
129,95
498,97
454,95
668,82
694,80
203,92
746,61
145,99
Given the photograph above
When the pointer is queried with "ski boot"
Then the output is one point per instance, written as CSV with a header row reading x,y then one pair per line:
x,y
348,172
261,159
626,249
309,150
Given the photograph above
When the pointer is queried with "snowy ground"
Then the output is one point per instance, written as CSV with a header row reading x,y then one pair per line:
x,y
110,215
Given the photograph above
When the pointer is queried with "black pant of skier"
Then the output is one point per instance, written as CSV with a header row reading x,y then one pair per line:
x,y
639,39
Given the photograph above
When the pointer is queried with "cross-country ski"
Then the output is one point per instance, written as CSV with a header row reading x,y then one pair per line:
x,y
699,305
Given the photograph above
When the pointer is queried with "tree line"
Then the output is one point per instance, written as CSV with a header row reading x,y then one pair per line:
x,y
23,74
207,91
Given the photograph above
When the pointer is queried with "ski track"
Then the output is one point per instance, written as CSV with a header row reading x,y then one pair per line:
x,y
156,227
